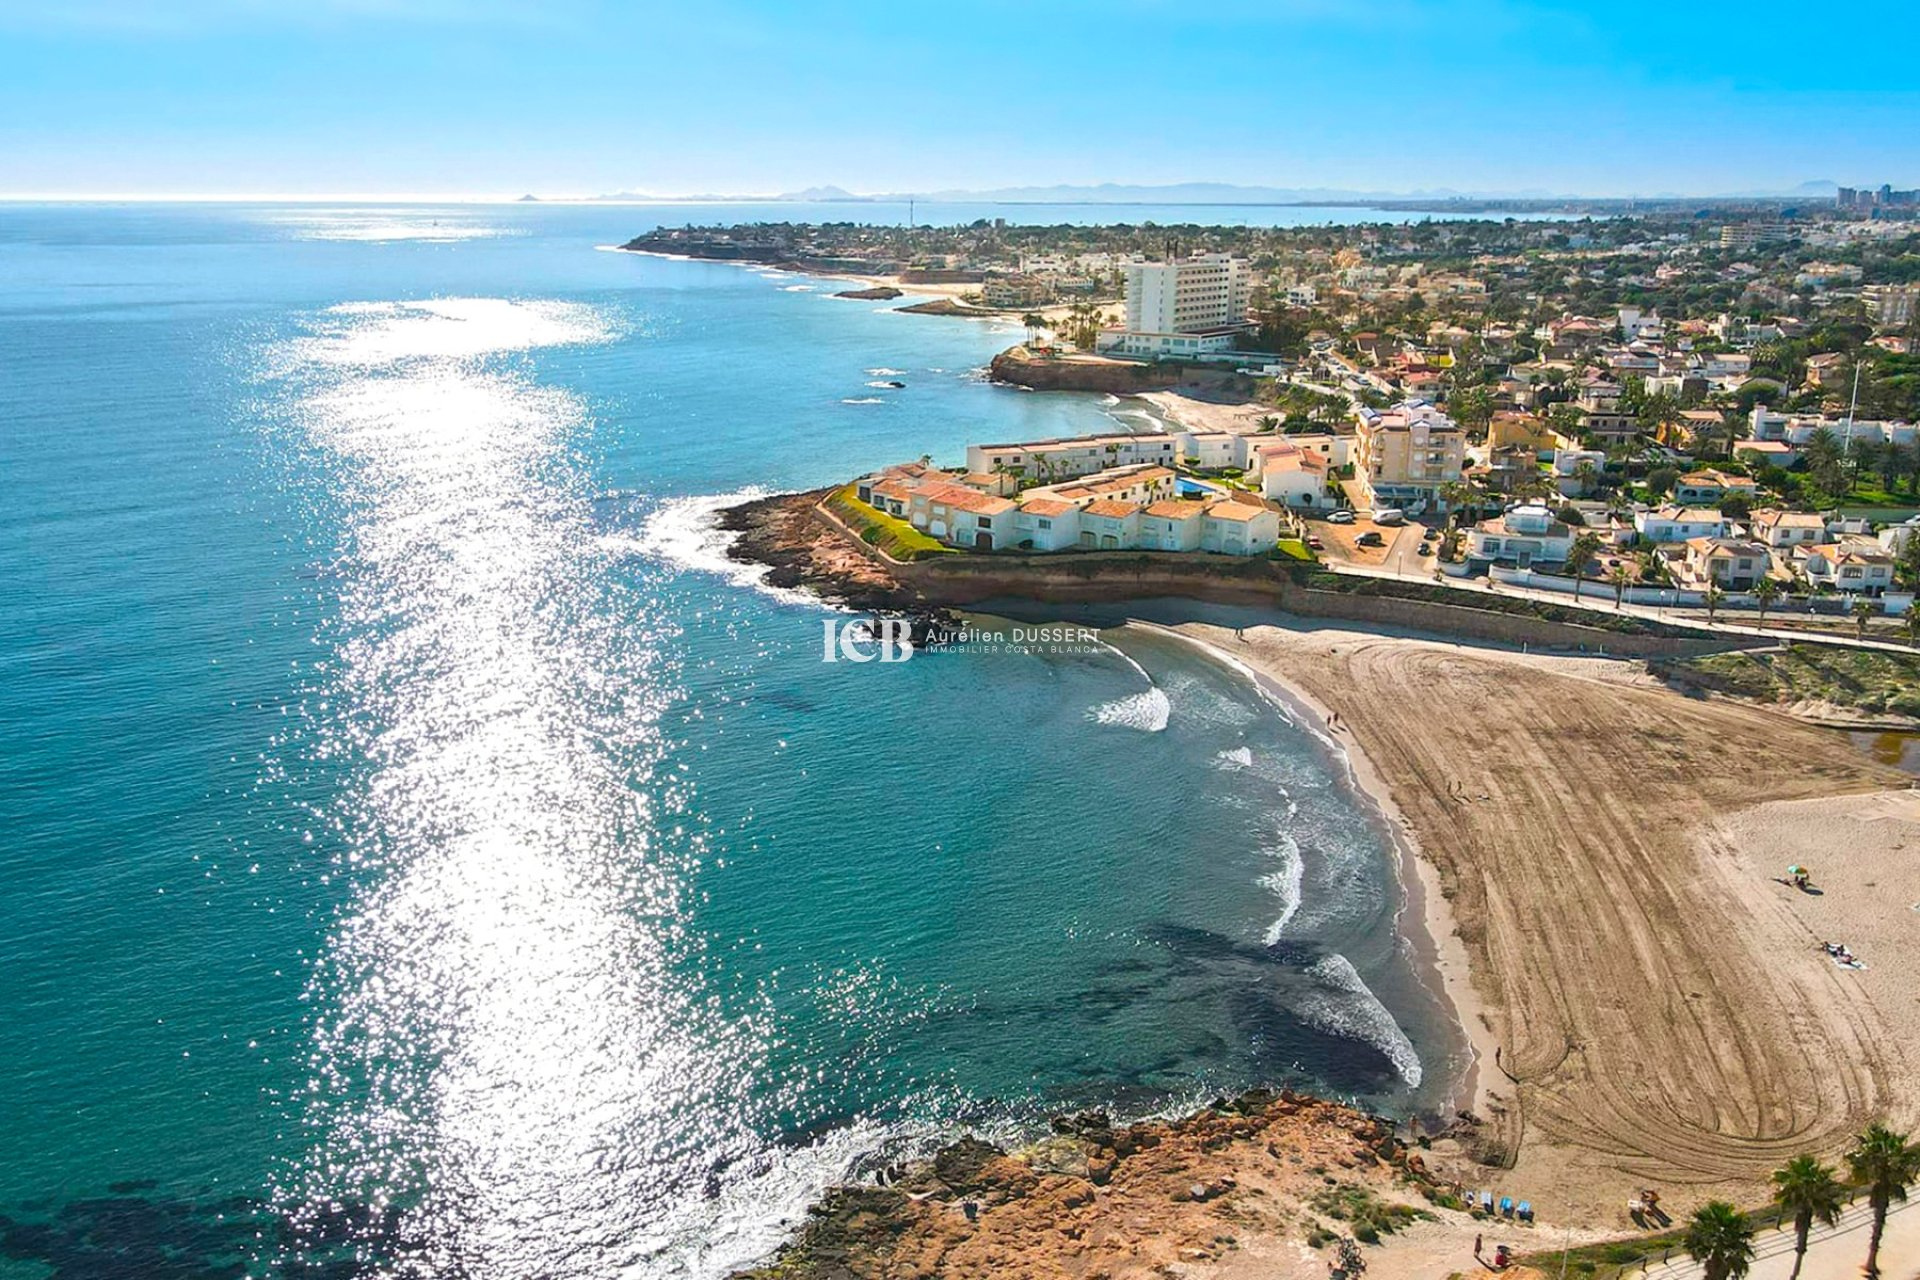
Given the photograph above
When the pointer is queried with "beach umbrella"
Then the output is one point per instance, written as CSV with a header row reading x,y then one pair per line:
x,y
1797,871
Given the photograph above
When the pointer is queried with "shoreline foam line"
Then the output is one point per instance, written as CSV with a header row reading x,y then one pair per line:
x,y
1436,940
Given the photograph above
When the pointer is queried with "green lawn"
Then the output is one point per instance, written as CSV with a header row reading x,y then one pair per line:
x,y
1293,549
878,529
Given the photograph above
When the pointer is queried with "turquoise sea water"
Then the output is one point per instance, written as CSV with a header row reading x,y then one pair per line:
x,y
424,852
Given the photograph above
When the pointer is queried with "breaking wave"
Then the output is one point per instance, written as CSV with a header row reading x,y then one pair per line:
x,y
1288,884
1340,1003
1147,711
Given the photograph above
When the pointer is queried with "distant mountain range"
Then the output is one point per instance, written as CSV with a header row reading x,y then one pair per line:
x,y
1216,193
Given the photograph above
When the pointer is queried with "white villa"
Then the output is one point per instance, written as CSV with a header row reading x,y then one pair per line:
x,y
1674,523
1525,536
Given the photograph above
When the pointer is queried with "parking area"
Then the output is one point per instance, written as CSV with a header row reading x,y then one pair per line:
x,y
1395,548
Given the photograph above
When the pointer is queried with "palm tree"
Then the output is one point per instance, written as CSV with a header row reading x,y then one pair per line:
x,y
1714,595
1808,1190
1913,625
1584,548
1720,1240
1620,577
1862,611
1887,1163
1765,591
1586,473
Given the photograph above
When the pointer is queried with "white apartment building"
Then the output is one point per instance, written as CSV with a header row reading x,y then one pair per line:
x,y
1064,459
1183,308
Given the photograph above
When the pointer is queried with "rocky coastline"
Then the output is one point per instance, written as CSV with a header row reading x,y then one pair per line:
x,y
878,293
1262,1179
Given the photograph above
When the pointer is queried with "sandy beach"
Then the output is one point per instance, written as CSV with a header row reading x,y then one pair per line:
x,y
1659,1011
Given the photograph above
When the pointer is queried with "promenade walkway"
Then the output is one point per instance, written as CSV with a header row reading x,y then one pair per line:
x,y
1833,1253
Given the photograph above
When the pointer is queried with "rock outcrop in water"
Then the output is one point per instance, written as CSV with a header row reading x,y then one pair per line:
x,y
1265,1174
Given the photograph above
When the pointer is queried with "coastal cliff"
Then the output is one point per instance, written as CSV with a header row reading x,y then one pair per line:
x,y
802,549
1023,367
1265,1176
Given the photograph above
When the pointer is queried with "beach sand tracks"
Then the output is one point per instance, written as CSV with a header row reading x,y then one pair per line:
x,y
1659,1009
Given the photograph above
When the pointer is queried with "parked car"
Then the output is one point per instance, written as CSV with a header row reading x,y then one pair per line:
x,y
1314,544
1370,539
1389,516
1342,516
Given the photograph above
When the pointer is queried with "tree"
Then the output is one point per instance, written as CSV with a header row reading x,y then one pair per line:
x,y
1713,597
1621,577
1886,1163
1586,473
1472,408
1660,481
1912,619
1034,323
1583,550
1766,591
1808,1190
1862,611
1720,1240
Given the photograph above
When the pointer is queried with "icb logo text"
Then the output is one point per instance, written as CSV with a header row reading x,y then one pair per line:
x,y
863,640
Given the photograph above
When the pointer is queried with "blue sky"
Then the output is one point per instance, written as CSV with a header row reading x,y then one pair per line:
x,y
582,97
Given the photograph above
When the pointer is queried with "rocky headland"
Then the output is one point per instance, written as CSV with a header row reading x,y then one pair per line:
x,y
878,293
1277,1183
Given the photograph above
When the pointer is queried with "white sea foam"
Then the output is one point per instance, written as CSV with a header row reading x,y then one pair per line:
x,y
796,288
1340,1003
889,373
880,384
686,533
1148,711
863,400
1237,758
1287,882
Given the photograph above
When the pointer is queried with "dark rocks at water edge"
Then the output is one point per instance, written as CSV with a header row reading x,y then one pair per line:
x,y
878,293
1093,1197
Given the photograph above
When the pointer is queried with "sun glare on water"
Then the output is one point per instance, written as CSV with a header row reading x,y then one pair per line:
x,y
515,1071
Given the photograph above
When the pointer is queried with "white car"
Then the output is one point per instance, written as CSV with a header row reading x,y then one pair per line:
x,y
1342,516
1389,516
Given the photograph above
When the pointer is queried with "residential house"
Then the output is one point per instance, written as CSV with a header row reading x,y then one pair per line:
x,y
1110,524
1238,529
1210,450
1292,476
1680,524
1525,536
1828,370
1510,429
1783,530
1172,524
962,517
1709,487
1732,564
1856,566
1047,524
